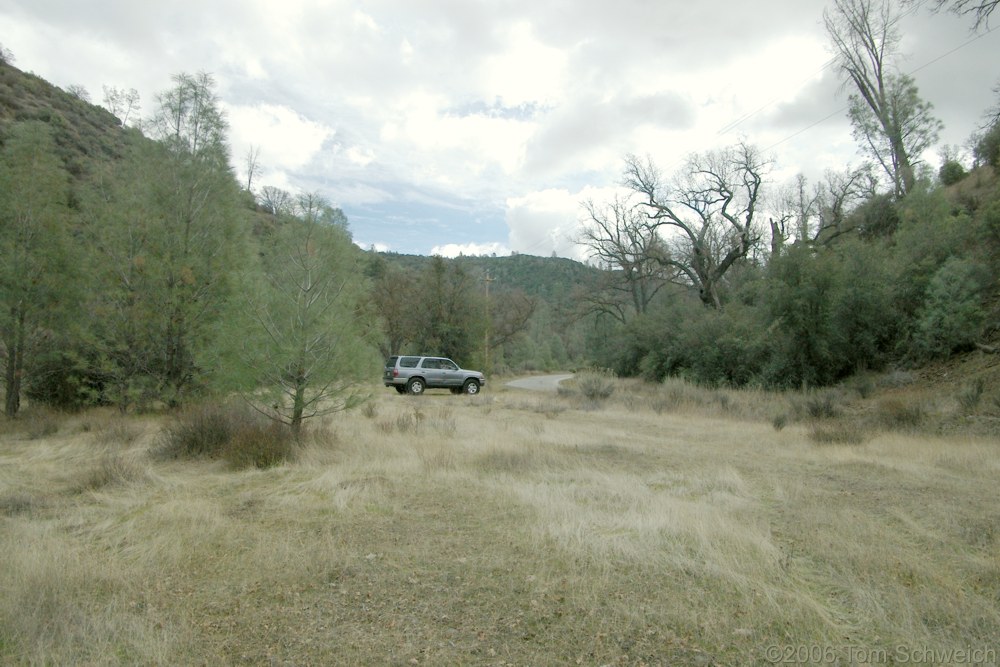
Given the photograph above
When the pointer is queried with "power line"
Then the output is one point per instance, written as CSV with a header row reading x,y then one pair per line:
x,y
912,10
913,71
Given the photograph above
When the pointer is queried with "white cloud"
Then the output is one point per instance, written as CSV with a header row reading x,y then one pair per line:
x,y
527,71
515,109
286,139
548,221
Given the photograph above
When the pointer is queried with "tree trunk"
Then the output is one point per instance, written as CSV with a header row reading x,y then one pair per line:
x,y
298,406
15,363
777,238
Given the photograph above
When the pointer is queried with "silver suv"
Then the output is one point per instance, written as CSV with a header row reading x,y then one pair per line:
x,y
415,374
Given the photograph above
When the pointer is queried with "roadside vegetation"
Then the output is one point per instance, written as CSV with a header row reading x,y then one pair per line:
x,y
786,435
637,524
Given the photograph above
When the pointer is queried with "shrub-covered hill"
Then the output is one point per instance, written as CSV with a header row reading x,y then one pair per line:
x,y
82,131
554,280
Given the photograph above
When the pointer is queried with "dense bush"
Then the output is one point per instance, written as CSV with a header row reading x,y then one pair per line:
x,y
200,431
952,315
987,149
260,444
951,172
233,432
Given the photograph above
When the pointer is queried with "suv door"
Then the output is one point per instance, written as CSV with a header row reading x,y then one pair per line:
x,y
433,375
450,375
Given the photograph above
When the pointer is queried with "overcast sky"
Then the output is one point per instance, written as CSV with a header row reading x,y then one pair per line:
x,y
442,126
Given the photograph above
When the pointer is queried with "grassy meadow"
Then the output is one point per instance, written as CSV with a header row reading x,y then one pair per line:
x,y
660,525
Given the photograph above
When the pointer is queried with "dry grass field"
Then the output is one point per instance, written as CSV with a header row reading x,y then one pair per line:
x,y
660,526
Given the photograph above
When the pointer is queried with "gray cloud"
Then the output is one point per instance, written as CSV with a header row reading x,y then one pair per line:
x,y
429,104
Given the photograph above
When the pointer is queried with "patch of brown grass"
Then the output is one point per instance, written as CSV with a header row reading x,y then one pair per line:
x,y
489,533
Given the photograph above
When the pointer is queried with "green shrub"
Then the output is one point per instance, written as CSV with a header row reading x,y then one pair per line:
x,y
987,149
951,172
952,315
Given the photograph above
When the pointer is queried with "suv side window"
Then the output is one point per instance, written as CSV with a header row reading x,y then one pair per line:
x,y
408,362
448,365
431,364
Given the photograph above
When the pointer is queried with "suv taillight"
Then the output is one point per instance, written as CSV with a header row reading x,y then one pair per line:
x,y
395,372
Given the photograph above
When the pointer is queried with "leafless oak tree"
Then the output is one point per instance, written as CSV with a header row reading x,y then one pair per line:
x,y
622,238
276,201
123,104
707,216
252,164
979,9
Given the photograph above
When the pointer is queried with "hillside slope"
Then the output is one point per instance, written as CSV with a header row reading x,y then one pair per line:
x,y
83,131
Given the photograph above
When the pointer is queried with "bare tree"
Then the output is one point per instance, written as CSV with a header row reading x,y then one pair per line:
x,y
510,312
123,104
252,165
711,210
837,196
619,236
888,116
980,9
275,200
79,92
792,210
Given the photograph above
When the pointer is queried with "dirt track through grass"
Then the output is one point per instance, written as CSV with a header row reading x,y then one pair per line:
x,y
507,528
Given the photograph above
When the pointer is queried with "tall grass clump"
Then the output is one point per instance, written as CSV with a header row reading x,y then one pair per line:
x,y
113,469
596,385
227,431
118,432
838,433
897,415
260,443
202,431
819,405
37,422
971,395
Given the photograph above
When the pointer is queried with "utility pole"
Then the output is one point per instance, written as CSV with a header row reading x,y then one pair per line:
x,y
486,340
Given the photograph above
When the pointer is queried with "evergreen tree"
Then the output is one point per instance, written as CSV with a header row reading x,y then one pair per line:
x,y
306,351
34,241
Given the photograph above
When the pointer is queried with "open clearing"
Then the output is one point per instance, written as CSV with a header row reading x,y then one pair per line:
x,y
659,526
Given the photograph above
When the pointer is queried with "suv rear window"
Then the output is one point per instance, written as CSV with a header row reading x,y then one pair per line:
x,y
408,362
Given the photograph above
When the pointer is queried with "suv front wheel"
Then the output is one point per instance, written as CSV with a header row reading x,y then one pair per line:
x,y
415,386
471,387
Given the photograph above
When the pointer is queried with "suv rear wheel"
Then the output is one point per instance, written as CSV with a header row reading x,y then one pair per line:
x,y
470,387
415,386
